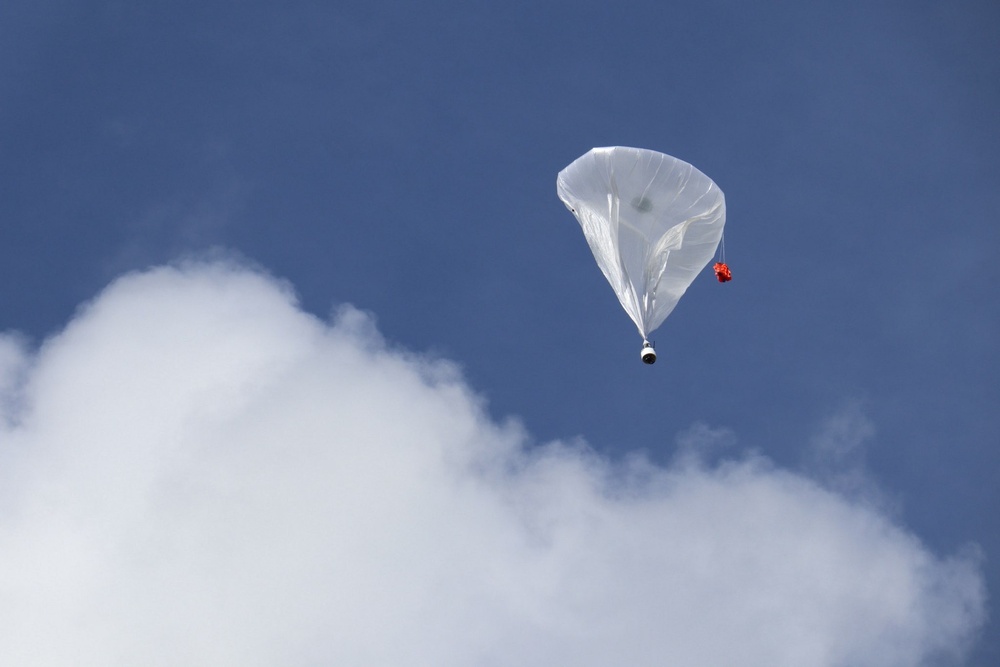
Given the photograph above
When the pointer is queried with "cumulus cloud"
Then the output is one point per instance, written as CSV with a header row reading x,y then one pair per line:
x,y
196,472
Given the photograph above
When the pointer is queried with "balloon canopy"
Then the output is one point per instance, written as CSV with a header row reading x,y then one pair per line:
x,y
652,221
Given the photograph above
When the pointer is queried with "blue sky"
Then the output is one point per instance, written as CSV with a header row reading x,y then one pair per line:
x,y
401,157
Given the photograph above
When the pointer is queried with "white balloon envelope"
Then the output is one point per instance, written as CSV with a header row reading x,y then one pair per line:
x,y
652,221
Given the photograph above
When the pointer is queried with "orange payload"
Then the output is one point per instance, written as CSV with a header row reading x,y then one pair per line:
x,y
722,272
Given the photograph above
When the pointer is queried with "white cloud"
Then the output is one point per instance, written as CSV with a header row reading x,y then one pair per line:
x,y
195,472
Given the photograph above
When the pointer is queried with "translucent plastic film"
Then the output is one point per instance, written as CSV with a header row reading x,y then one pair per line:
x,y
652,221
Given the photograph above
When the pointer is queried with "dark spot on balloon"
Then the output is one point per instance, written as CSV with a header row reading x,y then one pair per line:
x,y
642,205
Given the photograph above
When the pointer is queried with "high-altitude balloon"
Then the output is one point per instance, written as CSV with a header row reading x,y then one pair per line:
x,y
652,221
